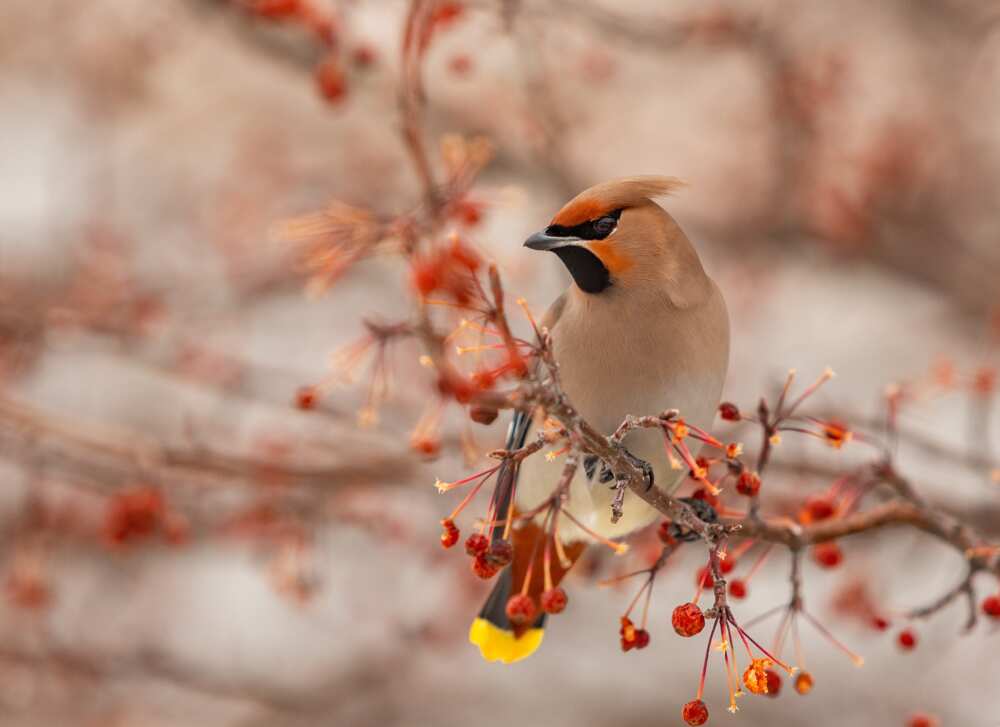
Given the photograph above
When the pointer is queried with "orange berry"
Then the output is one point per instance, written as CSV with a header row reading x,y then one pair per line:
x,y
804,682
755,677
688,620
330,80
483,568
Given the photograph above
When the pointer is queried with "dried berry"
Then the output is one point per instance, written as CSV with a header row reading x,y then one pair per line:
x,y
755,677
738,588
748,483
554,600
520,609
687,619
483,568
476,544
483,414
628,633
804,682
500,553
449,533
695,712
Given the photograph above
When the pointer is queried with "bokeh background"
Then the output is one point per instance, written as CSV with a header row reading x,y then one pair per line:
x,y
183,545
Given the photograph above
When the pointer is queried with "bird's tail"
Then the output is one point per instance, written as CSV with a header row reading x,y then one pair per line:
x,y
492,631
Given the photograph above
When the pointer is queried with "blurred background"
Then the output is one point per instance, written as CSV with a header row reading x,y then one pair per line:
x,y
184,544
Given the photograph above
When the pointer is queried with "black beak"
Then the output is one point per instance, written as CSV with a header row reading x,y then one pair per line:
x,y
543,241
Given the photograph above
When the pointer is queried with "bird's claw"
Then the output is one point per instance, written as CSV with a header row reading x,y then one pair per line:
x,y
702,509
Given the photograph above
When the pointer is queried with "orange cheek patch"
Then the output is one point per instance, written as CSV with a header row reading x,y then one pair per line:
x,y
614,260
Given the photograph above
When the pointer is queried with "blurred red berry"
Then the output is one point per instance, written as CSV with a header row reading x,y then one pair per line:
x,y
991,606
726,565
728,411
330,80
641,638
688,620
737,589
804,682
483,414
879,623
663,533
816,509
827,555
748,483
695,712
275,9
907,640
460,64
364,56
554,600
133,515
520,609
306,398
704,578
476,544
921,720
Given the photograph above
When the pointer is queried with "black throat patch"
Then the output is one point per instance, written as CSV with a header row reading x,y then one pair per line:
x,y
586,268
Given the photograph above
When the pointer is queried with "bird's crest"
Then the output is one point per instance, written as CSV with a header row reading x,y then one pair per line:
x,y
616,194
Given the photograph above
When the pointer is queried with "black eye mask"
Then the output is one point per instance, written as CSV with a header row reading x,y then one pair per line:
x,y
586,268
590,230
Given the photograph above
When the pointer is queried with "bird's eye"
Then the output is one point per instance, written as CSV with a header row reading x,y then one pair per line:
x,y
605,225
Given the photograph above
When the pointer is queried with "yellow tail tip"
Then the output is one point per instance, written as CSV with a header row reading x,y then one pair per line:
x,y
497,644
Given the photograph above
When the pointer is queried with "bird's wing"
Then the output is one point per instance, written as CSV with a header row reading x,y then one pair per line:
x,y
555,310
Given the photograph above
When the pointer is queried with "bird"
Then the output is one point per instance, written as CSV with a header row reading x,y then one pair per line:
x,y
641,328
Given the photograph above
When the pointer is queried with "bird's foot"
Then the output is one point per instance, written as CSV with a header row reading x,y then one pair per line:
x,y
647,469
702,509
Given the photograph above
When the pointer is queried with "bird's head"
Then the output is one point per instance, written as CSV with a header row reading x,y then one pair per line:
x,y
614,235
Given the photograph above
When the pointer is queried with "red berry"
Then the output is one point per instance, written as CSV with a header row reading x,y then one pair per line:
x,y
688,620
554,600
738,589
773,682
880,624
819,508
991,606
483,567
500,553
641,638
695,712
275,9
483,414
729,411
364,56
907,640
704,578
476,544
331,81
922,720
726,565
449,533
663,533
748,483
828,555
305,398
520,609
